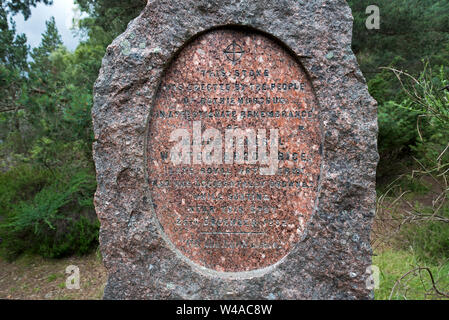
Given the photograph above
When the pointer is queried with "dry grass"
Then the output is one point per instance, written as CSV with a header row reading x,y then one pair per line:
x,y
36,278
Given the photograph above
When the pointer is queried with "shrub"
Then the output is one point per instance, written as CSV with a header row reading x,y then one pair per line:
x,y
425,224
397,128
20,183
58,220
429,240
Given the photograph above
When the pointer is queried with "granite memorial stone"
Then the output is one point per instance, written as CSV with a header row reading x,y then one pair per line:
x,y
235,149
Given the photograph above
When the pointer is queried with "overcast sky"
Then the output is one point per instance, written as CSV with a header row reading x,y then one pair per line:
x,y
63,12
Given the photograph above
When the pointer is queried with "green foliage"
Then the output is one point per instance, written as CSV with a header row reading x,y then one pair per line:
x,y
51,40
397,128
13,51
433,106
20,183
418,125
22,6
410,31
47,181
108,18
428,98
58,220
424,213
413,130
13,68
57,121
414,185
429,239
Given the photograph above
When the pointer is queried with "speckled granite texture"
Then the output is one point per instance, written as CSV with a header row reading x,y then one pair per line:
x,y
230,217
329,261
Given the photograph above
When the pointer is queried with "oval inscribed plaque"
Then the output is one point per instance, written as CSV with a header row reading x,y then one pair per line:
x,y
234,151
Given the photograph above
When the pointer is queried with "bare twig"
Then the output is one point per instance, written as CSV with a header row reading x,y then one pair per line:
x,y
414,271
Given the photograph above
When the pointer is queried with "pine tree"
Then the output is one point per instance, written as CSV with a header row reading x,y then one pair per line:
x,y
13,61
13,69
46,98
51,41
23,6
108,18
